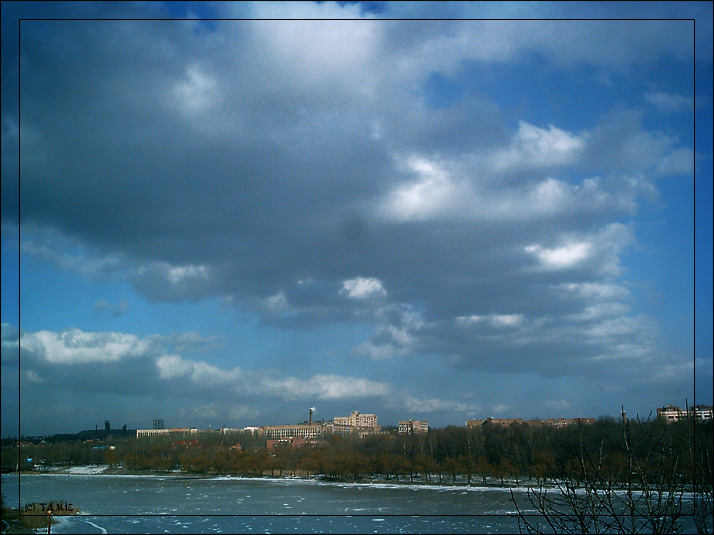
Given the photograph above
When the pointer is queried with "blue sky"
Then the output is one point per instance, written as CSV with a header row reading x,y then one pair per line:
x,y
228,222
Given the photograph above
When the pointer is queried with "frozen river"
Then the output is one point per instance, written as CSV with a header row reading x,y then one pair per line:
x,y
168,504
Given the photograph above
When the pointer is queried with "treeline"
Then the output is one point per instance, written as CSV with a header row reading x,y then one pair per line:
x,y
680,452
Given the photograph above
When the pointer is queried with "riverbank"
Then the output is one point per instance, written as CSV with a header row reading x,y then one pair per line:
x,y
406,481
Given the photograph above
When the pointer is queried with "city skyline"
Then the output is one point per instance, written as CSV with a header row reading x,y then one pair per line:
x,y
224,219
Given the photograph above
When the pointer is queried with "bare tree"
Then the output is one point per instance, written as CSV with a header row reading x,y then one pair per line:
x,y
641,488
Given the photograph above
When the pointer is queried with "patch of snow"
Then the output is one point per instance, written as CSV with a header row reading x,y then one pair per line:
x,y
87,470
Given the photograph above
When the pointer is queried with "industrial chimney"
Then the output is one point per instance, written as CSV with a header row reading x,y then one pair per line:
x,y
312,409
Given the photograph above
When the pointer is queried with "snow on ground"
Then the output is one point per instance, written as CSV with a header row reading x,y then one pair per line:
x,y
87,470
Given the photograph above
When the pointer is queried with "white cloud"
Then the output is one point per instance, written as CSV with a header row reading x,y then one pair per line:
x,y
173,366
201,373
363,288
339,387
669,103
74,346
600,311
413,404
596,291
563,257
267,383
322,386
597,251
432,194
494,320
678,161
278,303
534,147
178,274
195,93
175,275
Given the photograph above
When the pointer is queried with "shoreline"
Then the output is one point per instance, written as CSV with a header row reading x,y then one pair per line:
x,y
508,483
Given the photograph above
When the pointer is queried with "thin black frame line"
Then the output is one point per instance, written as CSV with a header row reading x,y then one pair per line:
x,y
19,257
694,255
295,515
353,19
361,19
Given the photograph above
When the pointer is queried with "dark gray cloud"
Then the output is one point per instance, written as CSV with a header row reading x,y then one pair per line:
x,y
209,164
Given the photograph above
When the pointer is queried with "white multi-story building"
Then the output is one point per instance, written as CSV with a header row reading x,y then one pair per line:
x,y
157,432
291,431
703,412
671,413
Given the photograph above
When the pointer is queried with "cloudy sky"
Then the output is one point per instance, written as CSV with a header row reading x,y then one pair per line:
x,y
226,222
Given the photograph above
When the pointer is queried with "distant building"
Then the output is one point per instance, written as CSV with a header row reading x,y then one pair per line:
x,y
702,412
304,430
294,442
565,422
225,430
550,422
356,419
470,424
670,413
411,427
174,431
355,423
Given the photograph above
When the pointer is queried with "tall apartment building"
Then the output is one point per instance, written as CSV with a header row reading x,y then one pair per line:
x,y
410,427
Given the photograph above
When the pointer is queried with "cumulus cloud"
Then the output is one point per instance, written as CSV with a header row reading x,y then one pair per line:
x,y
75,346
566,256
267,383
538,147
363,288
496,320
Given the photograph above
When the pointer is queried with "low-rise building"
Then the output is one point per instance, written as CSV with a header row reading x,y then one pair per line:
x,y
703,412
470,424
410,427
158,432
550,422
670,413
304,430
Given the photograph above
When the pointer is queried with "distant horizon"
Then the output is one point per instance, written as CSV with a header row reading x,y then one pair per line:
x,y
242,428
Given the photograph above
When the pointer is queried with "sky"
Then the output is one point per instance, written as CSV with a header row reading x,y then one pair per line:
x,y
499,211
